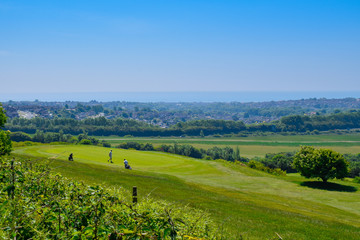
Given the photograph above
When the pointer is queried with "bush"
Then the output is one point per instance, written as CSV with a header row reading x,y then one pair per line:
x,y
73,139
128,145
85,142
19,137
148,147
354,164
259,166
283,160
356,180
106,144
354,169
255,164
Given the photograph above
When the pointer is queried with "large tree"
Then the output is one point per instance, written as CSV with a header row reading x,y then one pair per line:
x,y
320,163
5,142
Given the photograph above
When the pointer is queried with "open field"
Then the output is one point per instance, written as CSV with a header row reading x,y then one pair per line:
x,y
259,145
249,202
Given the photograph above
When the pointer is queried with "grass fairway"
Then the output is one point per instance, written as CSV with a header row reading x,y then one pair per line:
x,y
249,202
259,145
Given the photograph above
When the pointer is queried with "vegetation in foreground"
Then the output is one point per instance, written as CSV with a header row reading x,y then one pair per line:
x,y
36,203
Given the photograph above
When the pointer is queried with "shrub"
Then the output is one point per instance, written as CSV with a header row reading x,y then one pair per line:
x,y
106,144
356,180
85,142
283,160
19,137
259,166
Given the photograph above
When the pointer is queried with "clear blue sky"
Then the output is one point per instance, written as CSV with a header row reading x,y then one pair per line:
x,y
179,45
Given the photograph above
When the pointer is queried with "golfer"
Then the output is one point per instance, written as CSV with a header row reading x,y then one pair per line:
x,y
126,163
110,156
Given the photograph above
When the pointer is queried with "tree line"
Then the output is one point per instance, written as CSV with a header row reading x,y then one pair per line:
x,y
102,126
50,137
226,153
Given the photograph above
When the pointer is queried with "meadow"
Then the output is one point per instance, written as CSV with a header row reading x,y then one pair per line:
x,y
243,201
253,146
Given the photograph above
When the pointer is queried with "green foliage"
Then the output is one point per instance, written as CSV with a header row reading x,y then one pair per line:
x,y
106,144
101,126
5,142
259,166
136,146
354,164
357,179
202,134
354,169
85,142
283,160
320,163
315,123
50,137
20,137
2,116
38,204
226,153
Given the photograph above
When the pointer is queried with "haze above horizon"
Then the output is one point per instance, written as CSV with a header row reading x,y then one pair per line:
x,y
67,47
176,96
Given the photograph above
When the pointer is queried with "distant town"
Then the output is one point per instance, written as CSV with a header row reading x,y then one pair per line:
x,y
167,114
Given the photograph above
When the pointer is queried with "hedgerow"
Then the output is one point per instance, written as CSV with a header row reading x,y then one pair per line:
x,y
36,203
260,166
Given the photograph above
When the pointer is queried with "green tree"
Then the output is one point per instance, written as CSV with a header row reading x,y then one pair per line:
x,y
237,153
320,163
5,142
20,137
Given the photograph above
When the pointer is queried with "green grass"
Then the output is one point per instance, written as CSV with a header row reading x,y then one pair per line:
x,y
249,202
272,138
260,145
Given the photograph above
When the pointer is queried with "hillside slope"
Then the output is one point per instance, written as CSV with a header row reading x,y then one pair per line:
x,y
249,202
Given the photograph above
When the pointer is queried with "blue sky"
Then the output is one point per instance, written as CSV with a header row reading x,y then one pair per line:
x,y
179,45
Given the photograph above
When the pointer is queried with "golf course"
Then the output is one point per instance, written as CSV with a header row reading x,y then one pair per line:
x,y
248,203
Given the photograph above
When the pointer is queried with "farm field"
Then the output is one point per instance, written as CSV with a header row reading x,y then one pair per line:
x,y
259,145
251,203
